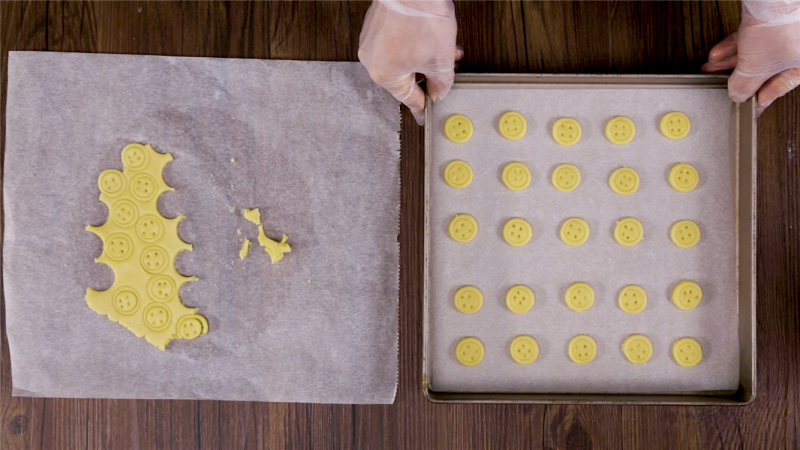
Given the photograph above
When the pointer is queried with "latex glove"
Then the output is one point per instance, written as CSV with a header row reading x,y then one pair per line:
x,y
765,52
403,38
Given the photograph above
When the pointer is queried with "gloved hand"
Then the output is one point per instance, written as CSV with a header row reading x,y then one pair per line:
x,y
402,38
765,52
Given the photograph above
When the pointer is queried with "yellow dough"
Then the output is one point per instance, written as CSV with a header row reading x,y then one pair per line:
x,y
687,294
520,299
458,174
524,349
253,215
274,249
632,299
516,176
579,297
517,232
628,231
582,349
245,248
675,125
683,177
567,131
469,351
620,130
685,234
468,299
458,128
462,228
140,245
574,231
687,352
624,181
566,177
637,348
512,125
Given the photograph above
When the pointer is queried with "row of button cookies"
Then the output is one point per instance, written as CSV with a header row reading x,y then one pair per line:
x,y
566,130
574,231
683,177
582,349
579,297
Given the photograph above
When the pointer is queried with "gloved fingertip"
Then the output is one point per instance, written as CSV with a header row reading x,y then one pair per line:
x,y
459,52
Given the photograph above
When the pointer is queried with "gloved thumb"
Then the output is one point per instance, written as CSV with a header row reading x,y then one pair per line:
x,y
743,85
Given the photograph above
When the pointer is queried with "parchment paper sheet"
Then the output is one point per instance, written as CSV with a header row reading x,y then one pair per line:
x,y
548,266
316,147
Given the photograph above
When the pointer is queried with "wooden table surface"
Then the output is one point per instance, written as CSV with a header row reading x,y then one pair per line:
x,y
580,37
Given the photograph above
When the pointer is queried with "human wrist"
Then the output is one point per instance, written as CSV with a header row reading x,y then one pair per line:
x,y
768,13
420,8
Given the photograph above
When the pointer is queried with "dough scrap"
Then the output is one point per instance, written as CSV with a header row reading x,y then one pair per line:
x,y
274,249
245,248
253,215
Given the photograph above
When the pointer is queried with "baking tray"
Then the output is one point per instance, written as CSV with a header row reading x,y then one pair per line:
x,y
743,150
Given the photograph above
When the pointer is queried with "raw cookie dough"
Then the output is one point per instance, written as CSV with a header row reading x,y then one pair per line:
x,y
620,130
567,131
274,249
579,297
675,125
687,352
574,231
624,181
582,349
632,299
140,245
253,215
516,176
520,299
512,125
637,348
628,231
458,128
458,174
517,232
566,177
469,351
687,294
245,248
685,234
462,228
683,177
468,299
524,349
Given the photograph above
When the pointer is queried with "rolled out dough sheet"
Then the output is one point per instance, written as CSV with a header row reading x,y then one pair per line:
x,y
548,266
314,145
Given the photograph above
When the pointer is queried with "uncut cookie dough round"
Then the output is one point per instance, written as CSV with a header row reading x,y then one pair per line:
x,y
516,176
463,228
469,351
579,296
620,130
520,299
624,181
687,352
517,232
458,128
524,349
567,131
675,125
468,299
582,349
566,177
637,348
574,231
458,174
512,125
628,231
687,295
685,234
683,177
632,299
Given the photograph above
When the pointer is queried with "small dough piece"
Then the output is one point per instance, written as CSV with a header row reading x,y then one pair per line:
x,y
512,125
245,248
632,299
516,176
574,231
620,130
458,174
683,177
687,352
566,177
579,297
274,249
524,349
687,295
628,231
462,228
469,351
624,181
675,125
520,299
637,348
582,349
685,234
458,128
517,232
567,131
253,215
468,299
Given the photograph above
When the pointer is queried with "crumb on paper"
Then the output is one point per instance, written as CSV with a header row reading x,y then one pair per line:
x,y
238,231
233,159
253,215
231,208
